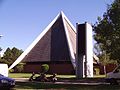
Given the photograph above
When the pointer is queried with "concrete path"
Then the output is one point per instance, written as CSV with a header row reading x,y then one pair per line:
x,y
77,82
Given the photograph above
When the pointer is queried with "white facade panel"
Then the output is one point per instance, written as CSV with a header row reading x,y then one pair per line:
x,y
89,50
4,69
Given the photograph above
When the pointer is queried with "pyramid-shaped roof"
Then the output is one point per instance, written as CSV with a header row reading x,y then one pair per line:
x,y
56,43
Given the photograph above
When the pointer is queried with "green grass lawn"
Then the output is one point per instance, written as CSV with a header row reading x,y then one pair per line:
x,y
19,75
27,75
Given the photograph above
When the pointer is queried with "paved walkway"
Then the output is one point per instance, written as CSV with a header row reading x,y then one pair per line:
x,y
80,82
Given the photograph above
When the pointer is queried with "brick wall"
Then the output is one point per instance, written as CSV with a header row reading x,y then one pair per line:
x,y
59,68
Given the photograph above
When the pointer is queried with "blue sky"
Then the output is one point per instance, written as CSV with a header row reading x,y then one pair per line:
x,y
21,21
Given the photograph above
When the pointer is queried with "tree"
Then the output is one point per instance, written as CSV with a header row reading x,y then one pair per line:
x,y
10,55
16,53
107,31
7,57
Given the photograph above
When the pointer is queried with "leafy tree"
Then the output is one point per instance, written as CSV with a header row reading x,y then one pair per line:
x,y
10,55
16,53
7,57
107,32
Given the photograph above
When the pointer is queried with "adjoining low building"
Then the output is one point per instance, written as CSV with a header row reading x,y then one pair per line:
x,y
55,46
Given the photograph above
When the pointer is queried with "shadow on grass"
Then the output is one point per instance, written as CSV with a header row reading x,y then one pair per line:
x,y
42,85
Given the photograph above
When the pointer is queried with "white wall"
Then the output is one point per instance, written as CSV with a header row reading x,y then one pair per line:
x,y
89,50
4,69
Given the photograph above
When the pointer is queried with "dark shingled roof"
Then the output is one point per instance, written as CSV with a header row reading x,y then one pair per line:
x,y
53,45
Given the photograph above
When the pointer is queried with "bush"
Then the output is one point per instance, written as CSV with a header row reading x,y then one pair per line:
x,y
97,71
44,68
11,70
19,68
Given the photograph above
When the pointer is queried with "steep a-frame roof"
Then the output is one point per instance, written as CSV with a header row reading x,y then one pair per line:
x,y
56,43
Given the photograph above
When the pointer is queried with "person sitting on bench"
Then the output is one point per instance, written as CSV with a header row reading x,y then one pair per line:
x,y
31,78
53,78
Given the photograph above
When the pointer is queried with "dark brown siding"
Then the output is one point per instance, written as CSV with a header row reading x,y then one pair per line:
x,y
109,67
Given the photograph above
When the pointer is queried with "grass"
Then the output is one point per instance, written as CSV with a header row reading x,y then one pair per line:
x,y
19,75
99,76
27,75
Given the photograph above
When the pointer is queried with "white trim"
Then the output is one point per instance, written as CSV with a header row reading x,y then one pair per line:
x,y
72,56
19,59
95,57
68,21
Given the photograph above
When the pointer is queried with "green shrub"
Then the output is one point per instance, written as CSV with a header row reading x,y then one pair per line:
x,y
97,71
19,68
44,68
11,70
